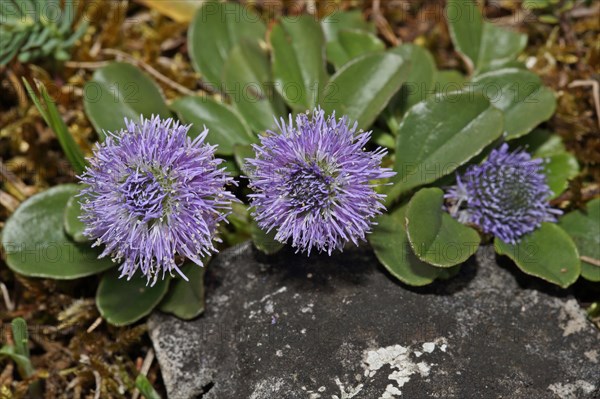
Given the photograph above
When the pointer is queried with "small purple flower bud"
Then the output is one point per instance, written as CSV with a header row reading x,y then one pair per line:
x,y
314,182
154,196
506,196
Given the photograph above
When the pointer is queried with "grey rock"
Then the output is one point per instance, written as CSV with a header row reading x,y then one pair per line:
x,y
340,327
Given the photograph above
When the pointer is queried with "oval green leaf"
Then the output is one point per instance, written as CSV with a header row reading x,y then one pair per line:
x,y
363,87
526,102
240,154
391,247
338,20
250,86
584,228
118,91
547,253
35,242
73,226
448,81
441,133
298,56
215,30
466,28
436,237
418,85
226,127
499,47
482,44
263,241
185,299
122,302
559,169
352,44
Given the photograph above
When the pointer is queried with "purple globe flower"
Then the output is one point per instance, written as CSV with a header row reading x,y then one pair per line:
x,y
506,195
153,196
313,182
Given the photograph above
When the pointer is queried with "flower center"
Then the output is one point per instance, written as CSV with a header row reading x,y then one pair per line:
x,y
144,195
310,187
514,190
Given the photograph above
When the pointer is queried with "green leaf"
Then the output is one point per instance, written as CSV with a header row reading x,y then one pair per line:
x,y
53,119
419,83
391,246
122,302
384,139
547,253
23,363
441,133
584,228
338,20
185,299
226,127
499,46
73,226
541,143
250,86
36,244
241,153
20,336
230,167
352,44
298,47
215,30
466,28
265,242
145,388
118,91
482,44
448,81
559,169
521,95
434,235
363,87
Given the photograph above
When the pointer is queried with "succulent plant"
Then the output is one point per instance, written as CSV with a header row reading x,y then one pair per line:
x,y
31,30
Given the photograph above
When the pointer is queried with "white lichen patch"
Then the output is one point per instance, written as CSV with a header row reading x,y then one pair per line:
x,y
429,347
391,392
572,391
401,360
347,392
572,318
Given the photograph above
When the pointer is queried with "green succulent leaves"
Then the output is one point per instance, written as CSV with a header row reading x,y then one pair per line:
x,y
299,61
435,237
118,91
482,44
216,29
583,226
441,133
29,33
122,301
547,253
36,244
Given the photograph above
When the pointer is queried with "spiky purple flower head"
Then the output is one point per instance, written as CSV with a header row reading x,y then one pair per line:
x,y
313,182
506,195
153,196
